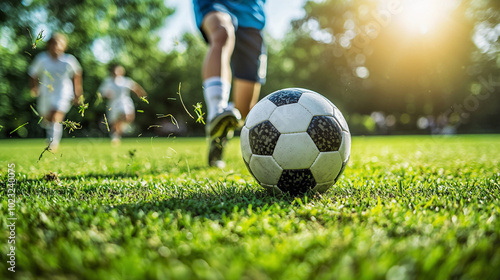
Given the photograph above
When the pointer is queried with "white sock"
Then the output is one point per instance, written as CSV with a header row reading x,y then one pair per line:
x,y
216,93
57,133
115,135
49,129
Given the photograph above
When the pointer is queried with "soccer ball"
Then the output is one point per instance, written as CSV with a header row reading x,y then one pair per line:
x,y
295,140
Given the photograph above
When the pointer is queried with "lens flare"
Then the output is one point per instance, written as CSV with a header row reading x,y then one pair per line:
x,y
425,15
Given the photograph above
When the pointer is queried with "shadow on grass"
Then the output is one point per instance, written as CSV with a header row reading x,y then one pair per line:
x,y
206,200
213,203
98,176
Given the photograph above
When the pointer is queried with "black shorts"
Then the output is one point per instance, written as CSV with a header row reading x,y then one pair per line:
x,y
249,60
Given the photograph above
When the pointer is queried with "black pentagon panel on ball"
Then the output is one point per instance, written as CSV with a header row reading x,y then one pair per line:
x,y
263,138
286,96
326,133
297,181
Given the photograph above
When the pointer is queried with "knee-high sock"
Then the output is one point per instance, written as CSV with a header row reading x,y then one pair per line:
x,y
57,131
216,93
49,130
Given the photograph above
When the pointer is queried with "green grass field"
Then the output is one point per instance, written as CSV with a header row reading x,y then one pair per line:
x,y
413,207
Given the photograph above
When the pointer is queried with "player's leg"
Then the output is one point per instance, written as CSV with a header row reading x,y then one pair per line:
x,y
116,133
129,117
55,129
118,122
245,95
219,30
216,72
249,64
45,109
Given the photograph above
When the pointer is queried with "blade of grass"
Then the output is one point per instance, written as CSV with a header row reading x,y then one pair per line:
x,y
174,121
182,102
18,127
106,122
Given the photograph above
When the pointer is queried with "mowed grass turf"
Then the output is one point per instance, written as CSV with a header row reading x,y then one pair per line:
x,y
412,207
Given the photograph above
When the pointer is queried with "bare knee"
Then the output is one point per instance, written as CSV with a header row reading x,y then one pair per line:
x,y
222,36
219,29
55,116
129,118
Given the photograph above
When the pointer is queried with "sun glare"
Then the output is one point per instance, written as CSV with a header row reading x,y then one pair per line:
x,y
425,15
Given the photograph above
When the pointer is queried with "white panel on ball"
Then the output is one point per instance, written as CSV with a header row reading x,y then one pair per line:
x,y
326,167
259,113
272,188
345,147
265,169
321,188
246,151
291,118
340,118
295,151
315,104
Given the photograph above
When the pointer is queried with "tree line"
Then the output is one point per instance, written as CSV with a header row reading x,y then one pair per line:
x,y
383,78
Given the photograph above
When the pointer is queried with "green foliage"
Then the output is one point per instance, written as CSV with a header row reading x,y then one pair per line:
x,y
128,31
405,208
409,73
447,73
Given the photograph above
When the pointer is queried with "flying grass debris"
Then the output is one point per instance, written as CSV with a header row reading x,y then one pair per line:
x,y
174,121
144,98
39,38
51,176
71,125
34,111
83,106
154,126
106,122
18,127
47,73
199,113
131,153
37,114
182,102
99,99
47,149
197,108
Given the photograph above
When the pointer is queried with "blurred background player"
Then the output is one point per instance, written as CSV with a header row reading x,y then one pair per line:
x,y
116,88
233,30
56,79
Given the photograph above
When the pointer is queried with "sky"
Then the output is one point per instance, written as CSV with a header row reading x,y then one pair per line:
x,y
279,14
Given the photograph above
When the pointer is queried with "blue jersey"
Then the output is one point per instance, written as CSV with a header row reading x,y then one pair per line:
x,y
245,13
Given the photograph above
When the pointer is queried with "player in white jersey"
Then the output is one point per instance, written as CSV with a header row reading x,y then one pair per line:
x,y
116,88
56,79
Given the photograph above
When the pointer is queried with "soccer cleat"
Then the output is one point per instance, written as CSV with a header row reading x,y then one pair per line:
x,y
220,129
225,122
215,152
